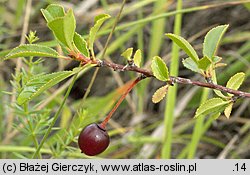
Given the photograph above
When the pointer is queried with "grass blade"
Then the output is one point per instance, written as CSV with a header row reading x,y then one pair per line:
x,y
170,103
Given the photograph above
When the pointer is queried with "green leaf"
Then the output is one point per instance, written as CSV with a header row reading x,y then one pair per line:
x,y
127,53
220,94
220,65
53,11
37,85
81,44
216,115
160,94
159,69
184,44
217,92
204,63
64,28
213,105
212,40
31,50
190,64
216,59
228,110
235,81
137,58
93,31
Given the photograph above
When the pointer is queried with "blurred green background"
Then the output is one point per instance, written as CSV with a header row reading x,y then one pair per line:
x,y
139,128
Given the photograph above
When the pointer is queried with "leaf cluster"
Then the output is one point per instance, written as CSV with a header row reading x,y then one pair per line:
x,y
206,66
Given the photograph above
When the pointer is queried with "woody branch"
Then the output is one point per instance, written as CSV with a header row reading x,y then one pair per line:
x,y
173,79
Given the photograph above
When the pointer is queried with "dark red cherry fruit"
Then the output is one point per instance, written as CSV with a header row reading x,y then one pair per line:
x,y
93,139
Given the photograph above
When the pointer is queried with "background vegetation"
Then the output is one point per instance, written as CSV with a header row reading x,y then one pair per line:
x,y
139,129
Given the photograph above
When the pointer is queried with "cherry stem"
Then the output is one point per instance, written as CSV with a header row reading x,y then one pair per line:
x,y
105,121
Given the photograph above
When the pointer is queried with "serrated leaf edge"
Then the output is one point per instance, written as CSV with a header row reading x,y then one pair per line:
x,y
138,60
157,91
130,54
68,44
91,44
43,75
228,110
162,78
217,44
192,53
197,71
84,43
38,91
243,77
196,116
10,54
47,10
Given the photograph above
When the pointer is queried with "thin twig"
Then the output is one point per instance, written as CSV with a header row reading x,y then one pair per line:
x,y
172,79
211,86
179,80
